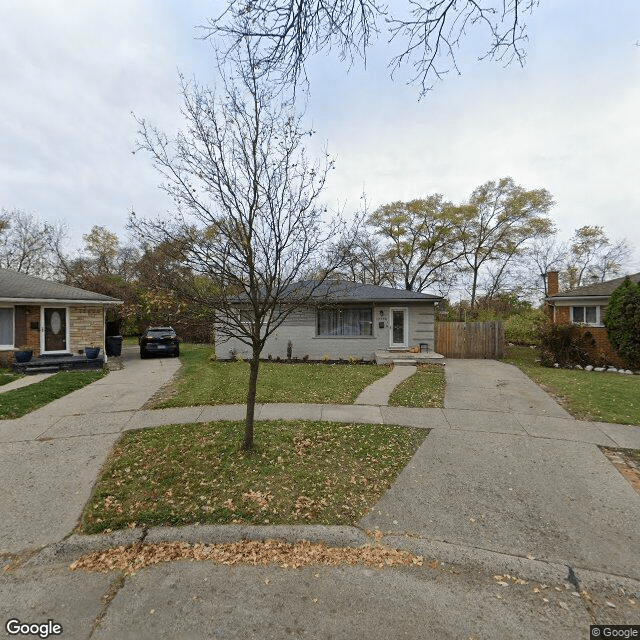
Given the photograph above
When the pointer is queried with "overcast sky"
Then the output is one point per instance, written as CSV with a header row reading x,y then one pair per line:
x,y
72,72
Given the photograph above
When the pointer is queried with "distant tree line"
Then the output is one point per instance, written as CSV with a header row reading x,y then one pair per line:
x,y
500,242
493,251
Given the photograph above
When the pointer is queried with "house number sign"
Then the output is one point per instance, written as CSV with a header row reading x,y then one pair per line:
x,y
56,323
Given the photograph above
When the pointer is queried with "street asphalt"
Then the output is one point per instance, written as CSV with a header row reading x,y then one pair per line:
x,y
526,529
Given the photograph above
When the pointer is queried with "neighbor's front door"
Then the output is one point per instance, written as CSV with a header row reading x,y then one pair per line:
x,y
398,327
55,329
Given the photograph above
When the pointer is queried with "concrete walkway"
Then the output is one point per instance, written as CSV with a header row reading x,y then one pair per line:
x,y
378,393
43,499
506,482
24,381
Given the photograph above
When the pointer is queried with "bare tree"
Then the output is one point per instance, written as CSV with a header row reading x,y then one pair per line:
x,y
593,257
28,244
428,34
365,261
545,254
248,224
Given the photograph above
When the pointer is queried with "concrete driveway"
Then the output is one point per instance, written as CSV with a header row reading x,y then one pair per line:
x,y
50,458
515,474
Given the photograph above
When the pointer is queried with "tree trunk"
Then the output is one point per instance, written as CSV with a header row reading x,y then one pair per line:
x,y
247,443
474,287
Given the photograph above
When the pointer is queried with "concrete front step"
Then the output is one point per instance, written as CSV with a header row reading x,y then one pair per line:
x,y
43,364
34,370
407,362
394,357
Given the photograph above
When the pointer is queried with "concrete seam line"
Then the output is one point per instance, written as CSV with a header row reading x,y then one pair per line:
x,y
107,599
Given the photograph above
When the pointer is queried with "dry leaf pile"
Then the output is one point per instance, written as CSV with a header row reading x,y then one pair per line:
x,y
625,463
132,558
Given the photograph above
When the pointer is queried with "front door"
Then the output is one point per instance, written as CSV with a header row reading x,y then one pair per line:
x,y
398,328
55,329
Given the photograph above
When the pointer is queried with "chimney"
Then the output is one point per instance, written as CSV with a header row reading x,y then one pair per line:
x,y
552,283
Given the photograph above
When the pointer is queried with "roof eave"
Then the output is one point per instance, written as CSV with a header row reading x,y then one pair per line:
x,y
57,301
600,298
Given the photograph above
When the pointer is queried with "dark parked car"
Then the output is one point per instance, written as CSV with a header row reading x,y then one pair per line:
x,y
159,340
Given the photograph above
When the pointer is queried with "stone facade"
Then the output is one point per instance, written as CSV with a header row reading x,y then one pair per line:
x,y
300,329
86,327
27,325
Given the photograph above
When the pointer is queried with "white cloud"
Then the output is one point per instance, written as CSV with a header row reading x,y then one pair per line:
x,y
73,71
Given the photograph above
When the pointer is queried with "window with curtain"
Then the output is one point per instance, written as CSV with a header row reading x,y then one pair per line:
x,y
585,315
345,321
6,326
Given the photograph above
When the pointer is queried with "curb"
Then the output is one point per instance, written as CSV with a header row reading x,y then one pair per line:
x,y
74,546
542,571
533,569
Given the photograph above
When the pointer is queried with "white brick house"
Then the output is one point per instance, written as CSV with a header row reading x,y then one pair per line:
x,y
349,320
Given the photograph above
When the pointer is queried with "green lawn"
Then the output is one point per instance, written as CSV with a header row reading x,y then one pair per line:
x,y
7,376
423,389
19,402
302,472
204,381
588,395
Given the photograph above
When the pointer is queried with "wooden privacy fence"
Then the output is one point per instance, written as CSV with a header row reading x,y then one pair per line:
x,y
470,339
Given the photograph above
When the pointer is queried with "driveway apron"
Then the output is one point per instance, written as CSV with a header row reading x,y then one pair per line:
x,y
49,459
488,483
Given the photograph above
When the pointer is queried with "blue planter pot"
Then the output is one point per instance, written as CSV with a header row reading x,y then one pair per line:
x,y
91,352
23,356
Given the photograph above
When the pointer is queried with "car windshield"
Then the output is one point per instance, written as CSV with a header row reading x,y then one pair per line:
x,y
160,333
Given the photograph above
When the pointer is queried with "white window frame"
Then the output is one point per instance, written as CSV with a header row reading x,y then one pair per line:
x,y
10,347
597,323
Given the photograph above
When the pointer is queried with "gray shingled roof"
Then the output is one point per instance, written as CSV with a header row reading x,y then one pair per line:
x,y
344,292
599,289
355,292
16,286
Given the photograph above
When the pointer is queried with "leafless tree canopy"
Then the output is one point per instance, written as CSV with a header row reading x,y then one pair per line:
x,y
427,35
593,257
248,224
28,243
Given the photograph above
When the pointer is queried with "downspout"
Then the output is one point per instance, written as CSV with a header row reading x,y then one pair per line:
x,y
104,331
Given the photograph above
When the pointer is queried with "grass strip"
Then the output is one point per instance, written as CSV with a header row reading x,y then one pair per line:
x,y
204,381
7,377
19,402
303,472
587,395
425,388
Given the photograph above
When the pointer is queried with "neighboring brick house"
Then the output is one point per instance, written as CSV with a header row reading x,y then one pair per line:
x,y
47,317
586,306
348,320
